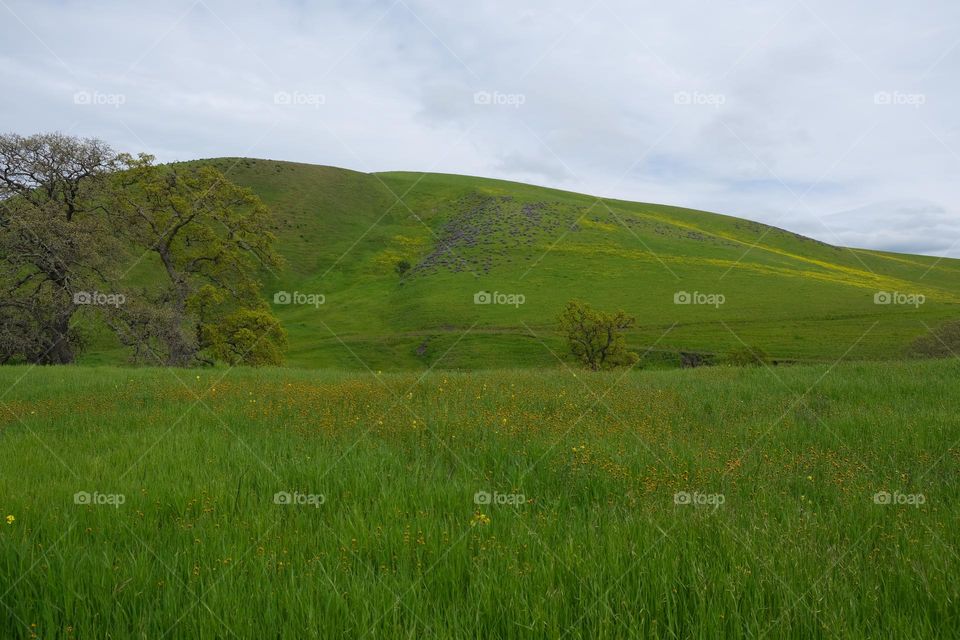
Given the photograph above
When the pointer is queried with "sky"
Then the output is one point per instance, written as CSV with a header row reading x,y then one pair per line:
x,y
836,120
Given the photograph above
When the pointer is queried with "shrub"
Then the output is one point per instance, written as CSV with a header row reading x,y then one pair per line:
x,y
596,338
747,356
942,342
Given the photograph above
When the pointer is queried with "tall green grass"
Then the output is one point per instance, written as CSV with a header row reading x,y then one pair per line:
x,y
788,541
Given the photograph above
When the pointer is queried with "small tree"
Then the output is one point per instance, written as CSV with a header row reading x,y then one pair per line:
x,y
596,338
402,267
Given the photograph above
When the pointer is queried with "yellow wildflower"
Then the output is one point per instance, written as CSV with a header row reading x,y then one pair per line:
x,y
479,518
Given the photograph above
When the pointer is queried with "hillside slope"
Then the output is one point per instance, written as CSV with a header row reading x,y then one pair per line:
x,y
342,233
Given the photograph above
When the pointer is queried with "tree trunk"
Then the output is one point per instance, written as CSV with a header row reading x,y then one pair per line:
x,y
180,353
57,349
62,350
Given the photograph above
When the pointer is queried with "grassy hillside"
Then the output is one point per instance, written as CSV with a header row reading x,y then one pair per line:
x,y
342,232
142,503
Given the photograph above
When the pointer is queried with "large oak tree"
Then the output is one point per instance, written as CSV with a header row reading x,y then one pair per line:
x,y
213,242
55,240
75,217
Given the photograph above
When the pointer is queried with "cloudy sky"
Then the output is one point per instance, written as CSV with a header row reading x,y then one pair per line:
x,y
836,120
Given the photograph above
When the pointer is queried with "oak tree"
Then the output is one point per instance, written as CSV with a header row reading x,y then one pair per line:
x,y
212,241
55,240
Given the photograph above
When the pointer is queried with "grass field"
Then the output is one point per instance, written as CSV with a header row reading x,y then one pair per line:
x,y
342,232
716,503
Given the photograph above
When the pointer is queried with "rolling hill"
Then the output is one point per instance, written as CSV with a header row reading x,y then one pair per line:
x,y
342,233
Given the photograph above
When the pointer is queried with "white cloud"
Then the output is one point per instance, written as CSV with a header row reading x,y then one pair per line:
x,y
768,111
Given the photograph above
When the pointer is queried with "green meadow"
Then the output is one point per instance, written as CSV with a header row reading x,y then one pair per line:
x,y
255,399
342,233
811,501
432,463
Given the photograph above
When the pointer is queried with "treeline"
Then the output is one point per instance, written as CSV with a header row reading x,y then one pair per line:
x,y
77,219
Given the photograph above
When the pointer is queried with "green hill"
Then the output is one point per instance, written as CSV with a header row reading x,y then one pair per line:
x,y
342,233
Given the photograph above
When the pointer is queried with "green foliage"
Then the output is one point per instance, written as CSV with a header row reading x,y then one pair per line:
x,y
250,337
213,241
72,213
402,267
596,338
55,241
